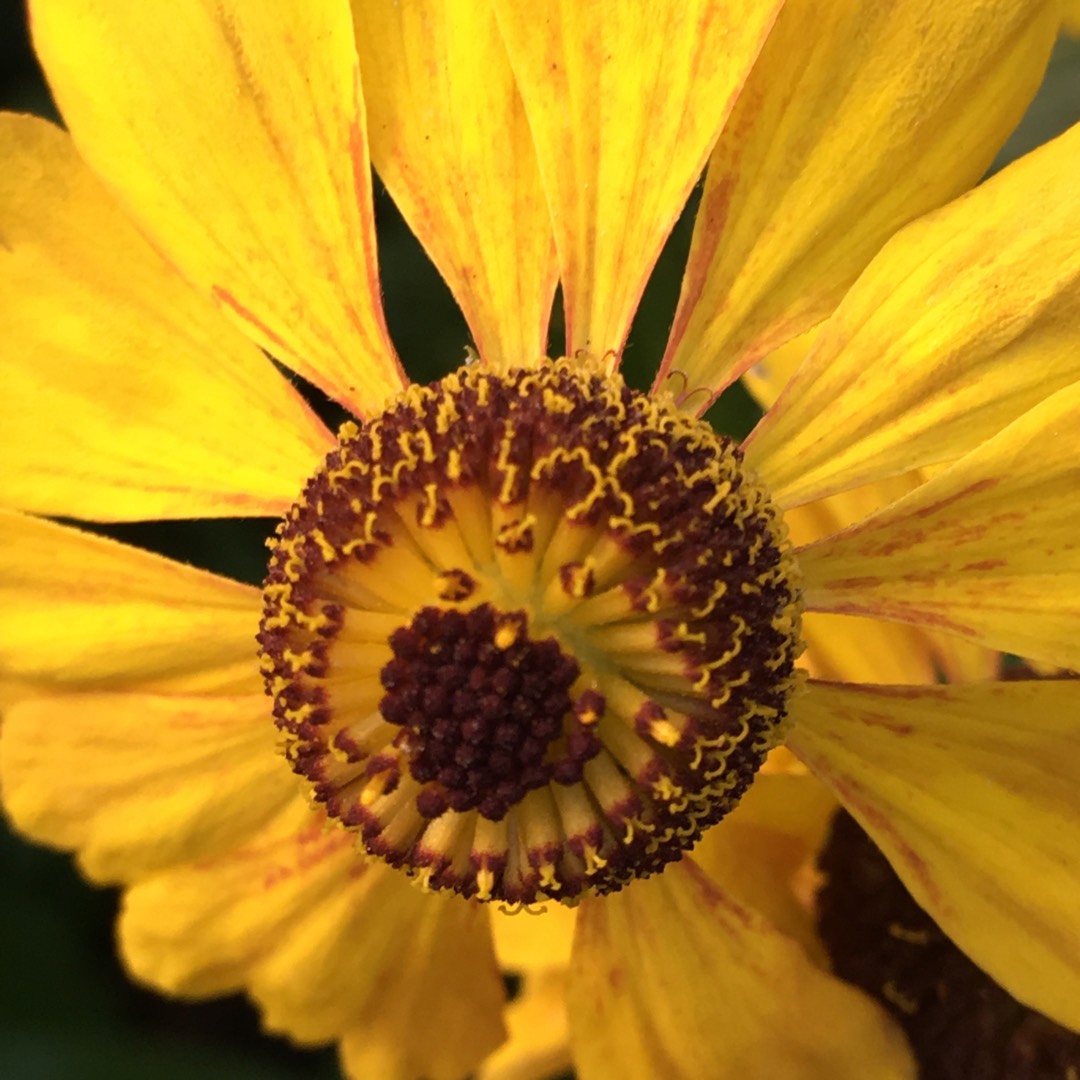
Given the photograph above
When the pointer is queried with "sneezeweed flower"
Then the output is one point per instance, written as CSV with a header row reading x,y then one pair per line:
x,y
529,635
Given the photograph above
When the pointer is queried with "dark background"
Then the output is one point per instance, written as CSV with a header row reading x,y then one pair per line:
x,y
67,1011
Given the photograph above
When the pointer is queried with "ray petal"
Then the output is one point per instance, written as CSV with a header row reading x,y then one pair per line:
x,y
138,782
233,134
673,977
450,141
966,319
856,119
987,549
972,793
625,102
80,611
381,961
127,395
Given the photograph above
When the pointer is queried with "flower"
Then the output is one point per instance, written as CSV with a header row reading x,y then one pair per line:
x,y
222,206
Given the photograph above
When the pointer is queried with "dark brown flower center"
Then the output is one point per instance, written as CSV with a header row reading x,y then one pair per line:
x,y
530,633
960,1023
481,705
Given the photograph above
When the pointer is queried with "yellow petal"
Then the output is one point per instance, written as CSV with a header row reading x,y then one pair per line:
x,y
81,611
857,118
625,102
986,549
768,377
849,648
327,944
965,320
963,661
450,141
1070,19
673,978
233,133
137,782
126,394
973,793
762,853
533,938
538,1045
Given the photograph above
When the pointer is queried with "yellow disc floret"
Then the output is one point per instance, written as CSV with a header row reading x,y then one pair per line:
x,y
529,634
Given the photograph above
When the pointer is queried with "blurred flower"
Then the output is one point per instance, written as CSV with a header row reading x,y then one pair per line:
x,y
528,633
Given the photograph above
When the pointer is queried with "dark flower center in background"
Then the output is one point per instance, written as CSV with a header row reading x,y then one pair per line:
x,y
530,634
962,1025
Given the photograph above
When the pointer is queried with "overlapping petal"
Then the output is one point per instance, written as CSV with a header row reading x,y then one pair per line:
x,y
538,1045
966,319
986,549
762,853
391,961
856,119
450,140
672,977
233,133
767,378
138,782
625,102
851,648
126,394
78,611
973,792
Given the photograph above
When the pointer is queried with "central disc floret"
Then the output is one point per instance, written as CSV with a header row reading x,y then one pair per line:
x,y
530,633
481,705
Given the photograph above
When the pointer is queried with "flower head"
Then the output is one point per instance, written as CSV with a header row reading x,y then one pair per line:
x,y
527,635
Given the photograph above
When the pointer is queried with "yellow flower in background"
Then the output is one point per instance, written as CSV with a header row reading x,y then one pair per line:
x,y
529,635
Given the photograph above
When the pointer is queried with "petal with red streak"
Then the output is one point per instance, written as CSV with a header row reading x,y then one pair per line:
x,y
987,549
625,102
138,782
672,977
857,118
973,793
233,134
965,320
450,141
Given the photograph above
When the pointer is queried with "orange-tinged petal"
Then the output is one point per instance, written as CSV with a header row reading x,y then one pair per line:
x,y
856,119
625,102
450,141
672,977
137,782
126,394
327,944
966,319
533,938
986,549
973,793
538,1045
233,133
81,611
